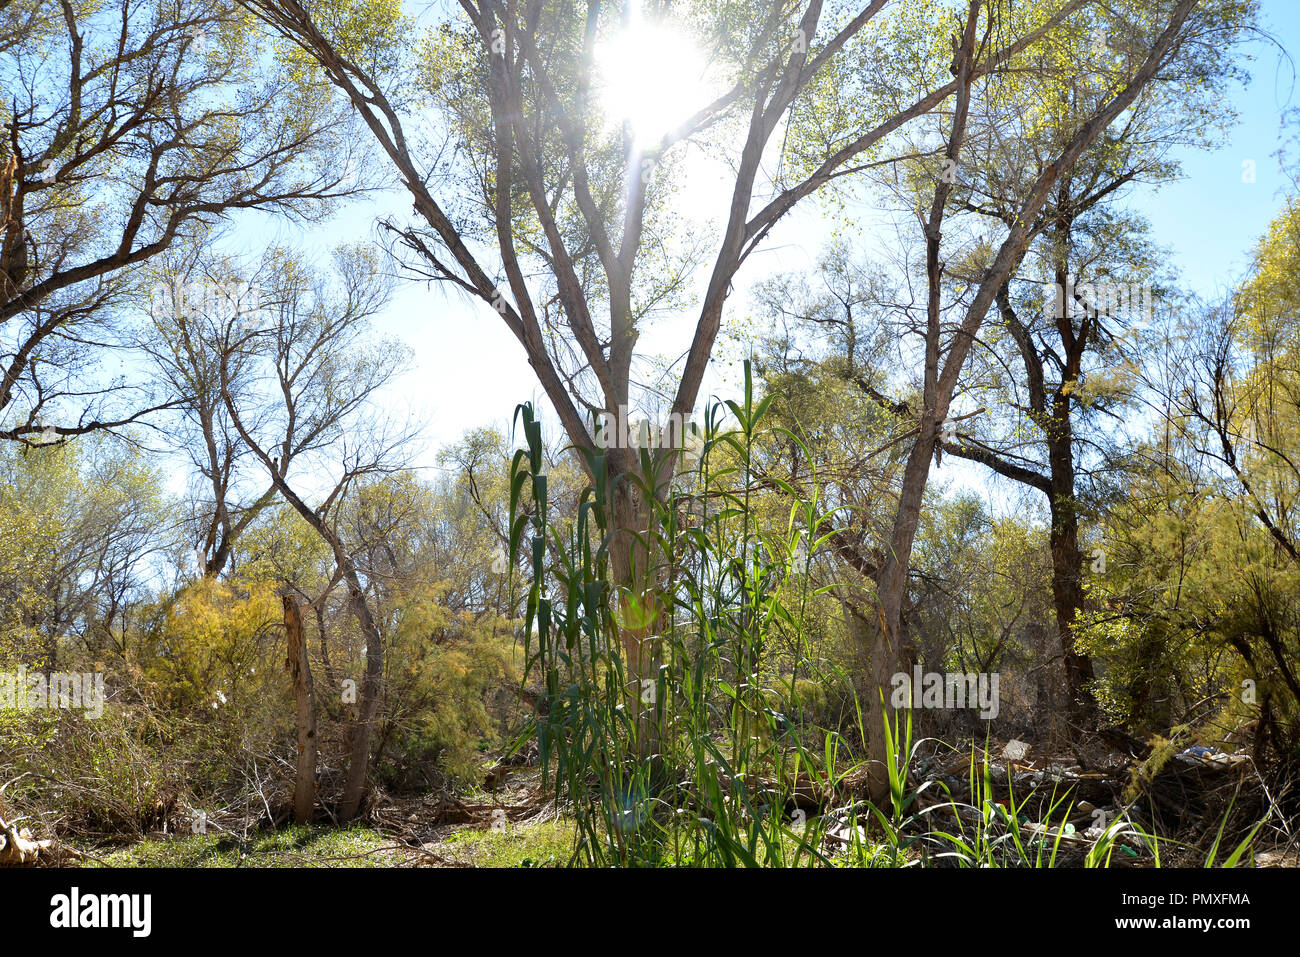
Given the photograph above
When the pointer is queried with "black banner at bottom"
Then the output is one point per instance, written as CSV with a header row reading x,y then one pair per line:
x,y
341,907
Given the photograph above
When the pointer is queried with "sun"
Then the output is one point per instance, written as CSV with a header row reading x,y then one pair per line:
x,y
650,77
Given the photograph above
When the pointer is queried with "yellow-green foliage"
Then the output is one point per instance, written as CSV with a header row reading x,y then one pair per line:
x,y
442,666
825,702
32,491
1162,750
1270,297
1190,581
66,512
447,648
214,644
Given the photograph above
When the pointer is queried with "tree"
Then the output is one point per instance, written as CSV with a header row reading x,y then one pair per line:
x,y
960,281
447,651
131,126
184,323
297,387
1239,399
958,288
1071,315
81,528
532,196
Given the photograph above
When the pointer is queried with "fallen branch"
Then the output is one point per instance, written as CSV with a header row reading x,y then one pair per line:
x,y
19,849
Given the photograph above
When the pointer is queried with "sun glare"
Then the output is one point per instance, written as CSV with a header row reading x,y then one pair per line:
x,y
650,77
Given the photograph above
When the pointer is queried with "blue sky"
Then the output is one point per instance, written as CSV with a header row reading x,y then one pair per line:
x,y
468,371
1211,218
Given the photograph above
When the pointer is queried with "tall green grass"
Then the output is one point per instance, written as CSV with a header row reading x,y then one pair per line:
x,y
699,762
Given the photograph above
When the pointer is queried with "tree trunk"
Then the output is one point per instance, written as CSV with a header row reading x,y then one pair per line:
x,y
319,609
888,652
641,619
304,692
1067,569
359,762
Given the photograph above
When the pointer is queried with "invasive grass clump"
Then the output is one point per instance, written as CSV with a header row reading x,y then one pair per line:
x,y
671,712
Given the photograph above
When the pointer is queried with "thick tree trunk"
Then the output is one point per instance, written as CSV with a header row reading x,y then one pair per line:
x,y
1067,571
641,619
304,692
1063,536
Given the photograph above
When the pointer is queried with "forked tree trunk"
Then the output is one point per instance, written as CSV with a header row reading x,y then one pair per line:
x,y
359,766
941,380
304,692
